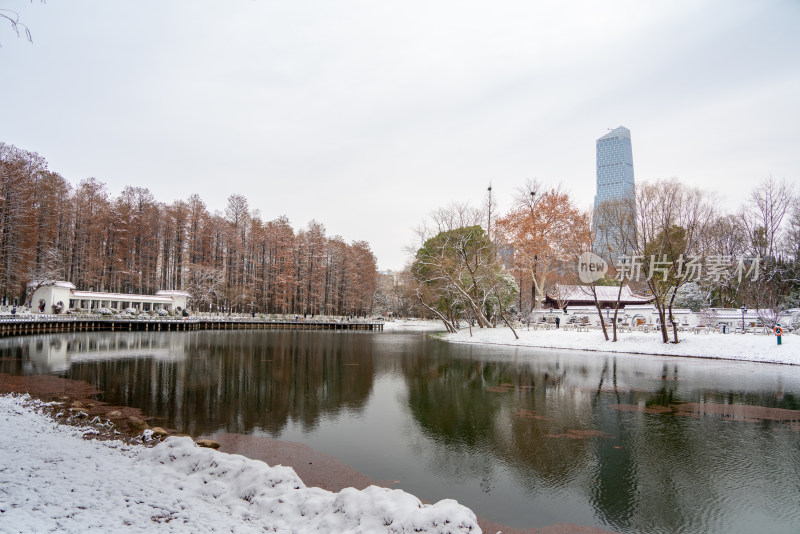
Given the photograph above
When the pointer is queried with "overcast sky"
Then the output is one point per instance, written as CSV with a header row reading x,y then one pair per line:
x,y
367,115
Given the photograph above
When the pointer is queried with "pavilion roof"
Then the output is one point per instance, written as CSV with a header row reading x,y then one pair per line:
x,y
97,295
572,293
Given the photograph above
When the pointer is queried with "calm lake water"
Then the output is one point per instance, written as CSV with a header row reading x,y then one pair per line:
x,y
523,437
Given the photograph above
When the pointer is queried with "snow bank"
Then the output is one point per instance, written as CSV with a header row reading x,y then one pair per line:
x,y
412,324
52,479
746,347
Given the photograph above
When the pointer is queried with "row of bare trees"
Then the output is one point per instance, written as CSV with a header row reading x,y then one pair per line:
x,y
231,261
680,242
692,250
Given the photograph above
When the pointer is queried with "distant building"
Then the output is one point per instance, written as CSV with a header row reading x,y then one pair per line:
x,y
506,253
573,295
613,201
61,296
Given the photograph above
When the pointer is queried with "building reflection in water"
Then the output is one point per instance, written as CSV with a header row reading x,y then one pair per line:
x,y
630,443
203,382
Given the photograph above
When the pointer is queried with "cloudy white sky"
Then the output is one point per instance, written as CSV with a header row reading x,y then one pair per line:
x,y
367,115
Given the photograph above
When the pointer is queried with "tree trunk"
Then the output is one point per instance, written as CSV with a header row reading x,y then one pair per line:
x,y
616,312
672,319
447,324
663,320
503,317
599,311
602,321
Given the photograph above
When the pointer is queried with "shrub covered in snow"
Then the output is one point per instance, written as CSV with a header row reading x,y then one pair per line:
x,y
794,322
104,311
690,296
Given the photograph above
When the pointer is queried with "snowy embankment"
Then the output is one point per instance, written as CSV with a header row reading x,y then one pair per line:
x,y
52,479
412,324
746,347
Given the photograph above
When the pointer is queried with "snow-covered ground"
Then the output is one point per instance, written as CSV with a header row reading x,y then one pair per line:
x,y
54,480
749,347
412,324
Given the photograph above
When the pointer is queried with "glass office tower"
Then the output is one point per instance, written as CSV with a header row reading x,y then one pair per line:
x,y
614,219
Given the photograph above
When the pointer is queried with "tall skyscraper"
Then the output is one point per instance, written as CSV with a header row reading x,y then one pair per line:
x,y
614,218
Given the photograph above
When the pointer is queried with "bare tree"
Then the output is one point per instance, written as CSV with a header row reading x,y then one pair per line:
x,y
12,17
768,205
791,242
770,222
615,232
672,219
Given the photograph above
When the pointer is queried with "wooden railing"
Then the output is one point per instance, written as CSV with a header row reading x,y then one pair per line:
x,y
15,325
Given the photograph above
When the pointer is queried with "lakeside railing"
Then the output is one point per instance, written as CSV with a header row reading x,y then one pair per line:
x,y
12,325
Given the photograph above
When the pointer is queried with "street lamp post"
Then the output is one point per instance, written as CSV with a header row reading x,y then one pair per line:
x,y
535,259
744,310
489,224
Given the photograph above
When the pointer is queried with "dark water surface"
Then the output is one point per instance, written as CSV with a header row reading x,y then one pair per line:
x,y
523,437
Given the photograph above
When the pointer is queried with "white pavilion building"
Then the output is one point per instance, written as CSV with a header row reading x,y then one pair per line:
x,y
62,295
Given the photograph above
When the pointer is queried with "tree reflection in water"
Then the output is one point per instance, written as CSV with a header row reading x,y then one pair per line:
x,y
542,422
510,413
525,437
239,381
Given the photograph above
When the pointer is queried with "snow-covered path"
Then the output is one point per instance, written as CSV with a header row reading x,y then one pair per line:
x,y
52,479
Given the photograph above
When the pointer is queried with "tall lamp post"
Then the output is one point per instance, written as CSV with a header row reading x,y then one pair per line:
x,y
744,310
533,282
489,224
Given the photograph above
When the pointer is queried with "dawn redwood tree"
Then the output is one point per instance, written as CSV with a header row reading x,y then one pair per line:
x,y
91,222
133,243
202,276
219,234
237,234
256,254
50,208
281,282
362,277
18,171
197,242
138,216
310,268
174,230
337,260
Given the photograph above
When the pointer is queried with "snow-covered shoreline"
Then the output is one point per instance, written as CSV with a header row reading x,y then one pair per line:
x,y
411,325
53,479
741,347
